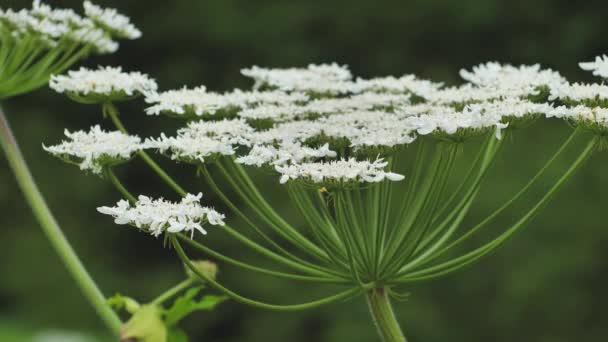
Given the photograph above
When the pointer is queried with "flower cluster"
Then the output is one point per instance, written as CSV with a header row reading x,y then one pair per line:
x,y
599,67
47,27
159,216
338,171
42,41
324,79
96,149
102,85
314,123
115,23
197,101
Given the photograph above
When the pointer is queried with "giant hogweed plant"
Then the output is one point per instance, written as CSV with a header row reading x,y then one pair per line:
x,y
382,171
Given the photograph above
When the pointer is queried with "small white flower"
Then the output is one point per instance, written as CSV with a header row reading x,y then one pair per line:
x,y
159,216
203,139
579,92
341,172
117,24
506,76
230,131
287,152
447,120
599,66
198,102
103,84
96,149
323,78
190,149
53,28
470,93
582,114
404,84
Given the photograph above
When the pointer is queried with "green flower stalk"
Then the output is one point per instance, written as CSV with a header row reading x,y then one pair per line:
x,y
51,228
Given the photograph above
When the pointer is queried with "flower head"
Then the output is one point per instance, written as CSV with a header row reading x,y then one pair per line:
x,y
161,216
594,119
342,172
196,102
591,95
321,79
96,149
506,76
52,27
286,153
116,24
407,84
190,149
599,67
102,85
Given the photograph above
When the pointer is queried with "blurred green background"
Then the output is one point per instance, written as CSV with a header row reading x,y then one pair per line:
x,y
547,284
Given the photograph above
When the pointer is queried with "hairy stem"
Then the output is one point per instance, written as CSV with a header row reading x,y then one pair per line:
x,y
52,230
383,315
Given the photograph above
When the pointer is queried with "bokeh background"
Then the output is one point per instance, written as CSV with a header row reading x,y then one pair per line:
x,y
547,284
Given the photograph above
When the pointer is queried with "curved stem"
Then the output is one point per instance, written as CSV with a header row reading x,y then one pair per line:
x,y
383,315
121,188
473,256
311,269
52,230
253,268
110,110
214,284
172,292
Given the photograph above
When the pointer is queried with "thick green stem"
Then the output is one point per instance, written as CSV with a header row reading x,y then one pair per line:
x,y
383,315
52,230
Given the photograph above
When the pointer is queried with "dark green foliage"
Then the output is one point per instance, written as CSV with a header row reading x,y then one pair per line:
x,y
547,284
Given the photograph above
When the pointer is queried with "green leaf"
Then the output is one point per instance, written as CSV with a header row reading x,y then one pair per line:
x,y
176,335
119,302
187,304
146,325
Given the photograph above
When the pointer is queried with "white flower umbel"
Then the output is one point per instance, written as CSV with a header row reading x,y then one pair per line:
x,y
468,93
58,28
590,94
595,119
506,76
510,109
321,79
273,113
404,84
96,149
190,149
449,123
365,129
599,67
356,129
231,131
360,102
325,107
117,24
102,85
197,101
161,216
286,153
338,172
